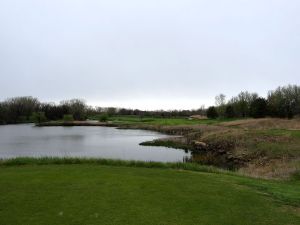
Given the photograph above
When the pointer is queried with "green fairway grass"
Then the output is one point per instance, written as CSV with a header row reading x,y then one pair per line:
x,y
87,194
163,121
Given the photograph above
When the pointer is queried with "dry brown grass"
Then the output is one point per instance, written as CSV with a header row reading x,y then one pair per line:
x,y
265,123
272,169
253,147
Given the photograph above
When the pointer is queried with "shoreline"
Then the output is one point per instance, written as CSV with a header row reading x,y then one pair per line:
x,y
181,138
74,123
265,148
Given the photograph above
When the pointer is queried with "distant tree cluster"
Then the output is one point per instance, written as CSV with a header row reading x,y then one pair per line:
x,y
110,111
19,109
29,109
284,102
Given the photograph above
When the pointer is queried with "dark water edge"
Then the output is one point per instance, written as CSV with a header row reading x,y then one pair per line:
x,y
208,157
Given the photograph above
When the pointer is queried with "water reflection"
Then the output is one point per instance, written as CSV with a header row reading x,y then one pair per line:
x,y
104,142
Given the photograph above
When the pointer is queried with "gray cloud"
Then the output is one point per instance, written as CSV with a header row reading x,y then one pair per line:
x,y
154,54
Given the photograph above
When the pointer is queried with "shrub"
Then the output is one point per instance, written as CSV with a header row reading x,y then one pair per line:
x,y
76,107
68,117
258,108
22,119
103,117
212,113
229,111
38,117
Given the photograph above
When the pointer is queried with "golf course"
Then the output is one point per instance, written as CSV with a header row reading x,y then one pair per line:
x,y
82,191
149,112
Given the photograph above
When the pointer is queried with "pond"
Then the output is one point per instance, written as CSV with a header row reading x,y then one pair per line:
x,y
102,142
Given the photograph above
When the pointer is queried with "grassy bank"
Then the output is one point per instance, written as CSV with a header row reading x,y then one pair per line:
x,y
114,192
24,161
172,121
136,121
267,148
165,121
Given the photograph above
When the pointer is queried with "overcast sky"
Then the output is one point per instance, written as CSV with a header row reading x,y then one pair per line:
x,y
158,54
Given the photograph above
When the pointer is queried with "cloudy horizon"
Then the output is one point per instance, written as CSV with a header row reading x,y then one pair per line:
x,y
148,55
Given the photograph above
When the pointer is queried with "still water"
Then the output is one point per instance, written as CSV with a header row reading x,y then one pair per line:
x,y
102,142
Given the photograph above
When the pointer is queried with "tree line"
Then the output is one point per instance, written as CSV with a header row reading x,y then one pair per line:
x,y
29,109
283,102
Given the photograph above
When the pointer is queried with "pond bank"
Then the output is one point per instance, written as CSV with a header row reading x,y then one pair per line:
x,y
75,123
265,148
184,137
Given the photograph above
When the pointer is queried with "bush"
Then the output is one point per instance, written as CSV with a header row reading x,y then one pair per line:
x,y
229,111
68,117
22,119
212,113
284,101
103,117
38,117
258,108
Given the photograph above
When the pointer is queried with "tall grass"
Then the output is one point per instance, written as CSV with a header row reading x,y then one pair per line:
x,y
19,161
